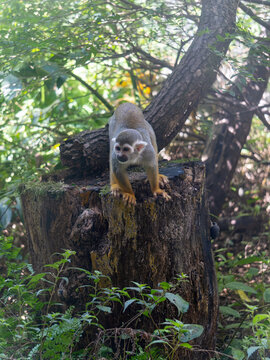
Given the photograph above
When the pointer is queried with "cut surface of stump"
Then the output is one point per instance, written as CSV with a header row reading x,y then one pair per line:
x,y
149,243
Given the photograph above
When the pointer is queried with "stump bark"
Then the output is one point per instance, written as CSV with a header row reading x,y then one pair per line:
x,y
149,243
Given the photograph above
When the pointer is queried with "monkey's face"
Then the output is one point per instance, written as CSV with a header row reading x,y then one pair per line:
x,y
123,152
129,154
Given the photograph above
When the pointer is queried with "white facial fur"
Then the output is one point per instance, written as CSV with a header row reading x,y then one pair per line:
x,y
126,148
129,154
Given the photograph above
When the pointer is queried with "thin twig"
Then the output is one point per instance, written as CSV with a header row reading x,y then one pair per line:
x,y
261,116
93,91
151,58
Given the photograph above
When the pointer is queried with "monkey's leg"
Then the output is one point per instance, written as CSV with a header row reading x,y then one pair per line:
x,y
154,180
120,184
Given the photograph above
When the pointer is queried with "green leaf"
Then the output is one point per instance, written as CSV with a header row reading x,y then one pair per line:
x,y
164,285
226,310
186,345
193,331
260,317
60,81
5,215
236,285
106,309
157,342
36,278
178,301
248,260
3,356
252,350
220,38
232,326
238,354
173,323
11,86
127,303
105,351
266,295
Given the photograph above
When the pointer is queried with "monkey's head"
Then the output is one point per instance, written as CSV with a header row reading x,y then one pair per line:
x,y
128,146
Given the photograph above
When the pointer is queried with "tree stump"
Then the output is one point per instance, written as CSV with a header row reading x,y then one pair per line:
x,y
147,243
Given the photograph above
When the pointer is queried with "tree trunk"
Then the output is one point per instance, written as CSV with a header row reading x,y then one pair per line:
x,y
185,87
149,243
231,128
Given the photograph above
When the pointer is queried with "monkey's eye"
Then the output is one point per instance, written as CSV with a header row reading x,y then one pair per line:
x,y
126,149
117,148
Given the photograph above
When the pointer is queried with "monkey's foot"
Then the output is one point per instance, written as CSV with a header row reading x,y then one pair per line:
x,y
163,180
129,198
163,194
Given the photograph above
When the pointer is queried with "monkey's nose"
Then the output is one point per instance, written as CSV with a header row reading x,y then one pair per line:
x,y
122,158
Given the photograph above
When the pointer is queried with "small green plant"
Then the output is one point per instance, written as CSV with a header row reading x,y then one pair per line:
x,y
105,190
32,325
245,319
174,334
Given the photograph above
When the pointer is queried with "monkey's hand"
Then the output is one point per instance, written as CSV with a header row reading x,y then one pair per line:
x,y
162,179
115,190
162,193
127,197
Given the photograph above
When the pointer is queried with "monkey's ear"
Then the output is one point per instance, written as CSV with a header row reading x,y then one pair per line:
x,y
139,146
113,140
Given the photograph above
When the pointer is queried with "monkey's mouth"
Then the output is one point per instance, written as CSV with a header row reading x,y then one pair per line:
x,y
122,159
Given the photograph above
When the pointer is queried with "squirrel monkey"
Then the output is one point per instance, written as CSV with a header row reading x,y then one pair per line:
x,y
133,142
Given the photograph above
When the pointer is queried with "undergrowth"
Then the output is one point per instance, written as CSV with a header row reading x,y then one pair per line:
x,y
244,321
33,326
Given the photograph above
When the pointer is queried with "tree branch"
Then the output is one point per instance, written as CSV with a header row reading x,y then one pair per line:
x,y
188,84
144,9
183,43
92,90
256,18
152,59
261,116
230,132
260,2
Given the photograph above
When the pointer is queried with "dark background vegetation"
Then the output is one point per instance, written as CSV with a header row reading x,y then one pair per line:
x,y
64,67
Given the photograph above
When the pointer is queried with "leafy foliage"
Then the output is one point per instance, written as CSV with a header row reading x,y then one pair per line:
x,y
32,328
245,319
64,65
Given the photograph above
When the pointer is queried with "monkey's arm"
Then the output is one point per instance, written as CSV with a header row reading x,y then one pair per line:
x,y
155,179
120,184
163,180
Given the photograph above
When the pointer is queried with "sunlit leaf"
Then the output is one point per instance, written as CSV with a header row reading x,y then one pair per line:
x,y
243,296
11,86
260,317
